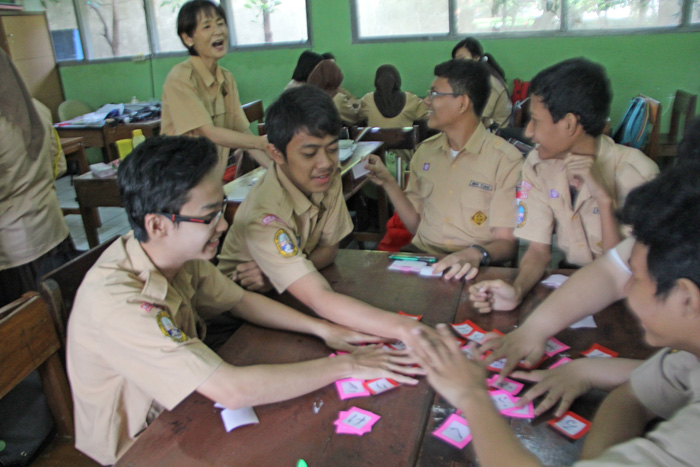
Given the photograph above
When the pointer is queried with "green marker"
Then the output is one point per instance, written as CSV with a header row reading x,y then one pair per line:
x,y
301,463
427,259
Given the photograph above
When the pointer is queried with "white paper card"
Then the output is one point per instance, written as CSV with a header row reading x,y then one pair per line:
x,y
236,418
587,322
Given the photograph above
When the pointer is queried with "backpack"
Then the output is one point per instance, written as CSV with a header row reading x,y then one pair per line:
x,y
635,126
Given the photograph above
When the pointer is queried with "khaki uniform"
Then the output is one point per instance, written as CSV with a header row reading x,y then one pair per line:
x,y
545,200
193,97
134,344
668,384
277,226
414,109
31,220
498,106
460,200
348,109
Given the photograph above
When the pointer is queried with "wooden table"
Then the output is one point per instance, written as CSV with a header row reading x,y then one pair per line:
x,y
106,135
192,434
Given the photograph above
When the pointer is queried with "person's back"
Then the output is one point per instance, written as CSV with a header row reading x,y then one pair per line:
x,y
388,106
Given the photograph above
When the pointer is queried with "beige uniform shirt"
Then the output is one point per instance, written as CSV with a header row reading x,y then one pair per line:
x,y
134,344
544,199
498,106
277,226
348,108
31,220
461,199
668,384
193,97
414,109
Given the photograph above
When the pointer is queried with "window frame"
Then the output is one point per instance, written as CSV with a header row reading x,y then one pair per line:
x,y
563,31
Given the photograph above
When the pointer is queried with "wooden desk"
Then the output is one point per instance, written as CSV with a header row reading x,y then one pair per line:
x,y
105,136
92,192
74,149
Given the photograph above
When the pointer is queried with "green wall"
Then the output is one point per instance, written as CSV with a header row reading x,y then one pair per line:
x,y
652,64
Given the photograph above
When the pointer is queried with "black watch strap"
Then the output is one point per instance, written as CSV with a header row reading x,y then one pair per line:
x,y
485,256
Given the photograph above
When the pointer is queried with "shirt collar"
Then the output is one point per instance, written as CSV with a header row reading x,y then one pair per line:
x,y
205,73
300,202
473,144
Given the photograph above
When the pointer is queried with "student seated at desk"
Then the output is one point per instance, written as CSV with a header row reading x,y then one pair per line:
x,y
200,98
305,65
663,292
328,76
134,336
291,222
572,182
459,198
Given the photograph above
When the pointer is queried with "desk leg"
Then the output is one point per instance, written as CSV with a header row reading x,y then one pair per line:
x,y
91,222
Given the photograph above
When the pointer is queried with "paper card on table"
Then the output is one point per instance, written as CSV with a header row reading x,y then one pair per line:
x,y
587,322
237,418
560,362
407,266
502,400
351,387
476,336
528,411
555,280
571,425
427,271
465,327
508,385
497,365
355,421
398,345
455,431
380,385
359,170
466,350
597,350
554,346
408,315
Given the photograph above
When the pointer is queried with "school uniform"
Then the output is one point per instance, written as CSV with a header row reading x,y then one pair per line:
x,y
545,206
193,96
347,108
668,385
414,109
460,199
278,226
498,106
134,344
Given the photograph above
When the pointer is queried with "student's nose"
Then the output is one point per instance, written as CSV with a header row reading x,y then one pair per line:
x,y
529,130
327,159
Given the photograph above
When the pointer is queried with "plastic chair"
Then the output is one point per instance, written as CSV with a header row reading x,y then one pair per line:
x,y
71,108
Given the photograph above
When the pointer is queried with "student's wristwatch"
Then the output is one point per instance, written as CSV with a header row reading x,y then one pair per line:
x,y
485,256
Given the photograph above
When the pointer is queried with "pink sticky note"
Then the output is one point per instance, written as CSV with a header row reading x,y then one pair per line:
x,y
508,385
380,385
455,431
351,387
355,421
560,362
554,346
502,400
528,411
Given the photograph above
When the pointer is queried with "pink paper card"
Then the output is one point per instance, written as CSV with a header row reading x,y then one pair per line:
x,y
502,400
380,385
598,350
496,365
407,315
464,328
560,362
571,425
508,385
554,346
355,421
528,411
455,431
351,387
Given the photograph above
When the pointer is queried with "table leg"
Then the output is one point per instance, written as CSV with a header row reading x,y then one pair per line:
x,y
91,222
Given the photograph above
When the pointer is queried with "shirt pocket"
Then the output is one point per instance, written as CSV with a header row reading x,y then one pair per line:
x,y
475,207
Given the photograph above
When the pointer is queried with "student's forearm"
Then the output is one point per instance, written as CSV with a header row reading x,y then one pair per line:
x,y
620,418
403,206
532,268
608,223
323,256
494,440
233,139
500,249
260,157
263,311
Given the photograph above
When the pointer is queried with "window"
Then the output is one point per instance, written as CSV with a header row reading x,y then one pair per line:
x,y
102,29
375,19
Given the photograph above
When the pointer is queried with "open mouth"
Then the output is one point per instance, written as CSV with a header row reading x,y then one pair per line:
x,y
219,43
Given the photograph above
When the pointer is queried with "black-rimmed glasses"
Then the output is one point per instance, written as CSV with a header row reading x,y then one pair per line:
x,y
213,218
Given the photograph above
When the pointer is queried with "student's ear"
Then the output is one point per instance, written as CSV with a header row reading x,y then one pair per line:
x,y
690,294
276,155
571,124
466,104
187,40
156,226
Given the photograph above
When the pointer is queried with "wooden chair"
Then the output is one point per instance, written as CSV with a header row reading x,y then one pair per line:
x,y
29,342
255,112
58,287
683,109
651,148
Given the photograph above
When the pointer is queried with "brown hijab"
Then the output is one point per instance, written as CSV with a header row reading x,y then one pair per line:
x,y
327,76
388,96
16,105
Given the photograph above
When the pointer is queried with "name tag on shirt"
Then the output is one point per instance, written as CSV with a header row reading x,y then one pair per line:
x,y
481,186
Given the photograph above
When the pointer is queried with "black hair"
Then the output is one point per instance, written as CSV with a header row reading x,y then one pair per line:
x,y
189,15
476,50
576,86
304,108
665,216
159,174
305,65
467,77
689,147
328,56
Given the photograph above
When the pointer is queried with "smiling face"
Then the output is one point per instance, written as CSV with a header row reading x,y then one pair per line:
x,y
210,37
443,110
553,139
310,162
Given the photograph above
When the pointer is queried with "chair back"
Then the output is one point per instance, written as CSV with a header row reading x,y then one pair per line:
x,y
29,341
255,112
58,287
72,108
651,148
683,109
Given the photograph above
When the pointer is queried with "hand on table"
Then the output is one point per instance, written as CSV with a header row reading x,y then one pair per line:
x,y
373,362
457,266
251,277
342,338
515,346
497,295
378,172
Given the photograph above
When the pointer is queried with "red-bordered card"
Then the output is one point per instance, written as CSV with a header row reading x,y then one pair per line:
x,y
380,385
465,327
571,425
597,350
416,317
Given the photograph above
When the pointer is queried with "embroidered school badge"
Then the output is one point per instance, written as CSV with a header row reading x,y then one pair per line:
x,y
168,328
553,194
479,218
522,214
284,244
426,166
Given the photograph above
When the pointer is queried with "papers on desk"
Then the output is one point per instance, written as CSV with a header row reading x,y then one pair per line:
x,y
237,418
587,322
238,189
96,118
555,280
419,267
345,153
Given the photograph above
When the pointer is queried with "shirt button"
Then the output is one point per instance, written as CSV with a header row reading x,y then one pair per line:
x,y
451,192
575,217
447,219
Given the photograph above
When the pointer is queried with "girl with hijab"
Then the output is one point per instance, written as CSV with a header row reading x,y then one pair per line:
x,y
328,76
498,106
388,106
305,65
